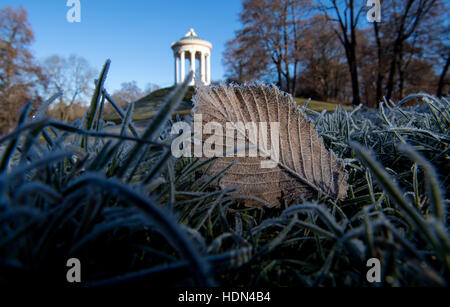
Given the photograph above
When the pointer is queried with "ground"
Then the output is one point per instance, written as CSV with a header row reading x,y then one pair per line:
x,y
145,107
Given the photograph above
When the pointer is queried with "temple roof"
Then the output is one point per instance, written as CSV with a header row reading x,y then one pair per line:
x,y
191,36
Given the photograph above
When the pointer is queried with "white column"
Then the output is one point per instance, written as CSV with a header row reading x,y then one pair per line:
x,y
193,65
176,68
183,73
208,69
202,67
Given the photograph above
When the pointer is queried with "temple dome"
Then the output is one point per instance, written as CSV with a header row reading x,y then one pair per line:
x,y
191,38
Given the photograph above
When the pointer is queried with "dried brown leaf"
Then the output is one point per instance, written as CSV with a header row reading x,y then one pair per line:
x,y
304,168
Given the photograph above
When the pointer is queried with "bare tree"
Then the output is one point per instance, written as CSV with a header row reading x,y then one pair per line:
x,y
269,40
284,41
73,76
442,49
441,84
245,59
150,87
407,35
406,17
381,58
346,14
19,74
129,92
324,74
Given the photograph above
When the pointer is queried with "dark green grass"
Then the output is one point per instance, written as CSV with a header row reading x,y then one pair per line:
x,y
133,214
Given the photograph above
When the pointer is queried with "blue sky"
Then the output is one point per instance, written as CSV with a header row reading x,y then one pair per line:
x,y
135,34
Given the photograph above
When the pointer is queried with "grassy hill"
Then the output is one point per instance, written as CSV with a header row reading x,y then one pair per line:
x,y
318,105
145,107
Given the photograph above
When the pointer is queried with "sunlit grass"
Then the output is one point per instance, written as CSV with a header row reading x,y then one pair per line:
x,y
145,107
318,105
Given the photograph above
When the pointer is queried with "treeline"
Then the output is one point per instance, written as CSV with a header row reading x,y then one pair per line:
x,y
328,50
24,79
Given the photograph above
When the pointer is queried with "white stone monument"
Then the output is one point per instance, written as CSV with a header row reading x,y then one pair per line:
x,y
192,47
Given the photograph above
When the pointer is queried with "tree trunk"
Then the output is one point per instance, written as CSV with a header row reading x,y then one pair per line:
x,y
294,79
353,69
392,71
401,75
278,65
296,50
379,82
286,52
442,77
